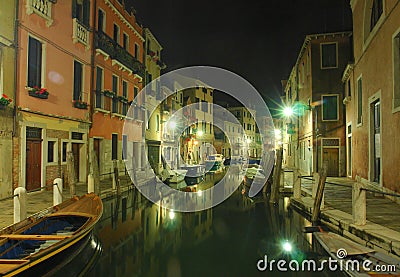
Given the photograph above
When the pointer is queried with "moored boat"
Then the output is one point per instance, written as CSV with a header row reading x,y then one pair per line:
x,y
176,175
215,162
45,242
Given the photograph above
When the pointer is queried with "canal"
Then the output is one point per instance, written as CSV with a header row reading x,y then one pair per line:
x,y
140,238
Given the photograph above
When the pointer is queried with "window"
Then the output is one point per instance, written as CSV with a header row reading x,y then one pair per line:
x,y
149,78
377,10
136,54
348,88
99,87
359,101
78,78
34,63
157,123
124,146
328,55
116,33
64,151
249,127
101,21
51,151
125,41
204,106
114,146
81,11
330,107
115,89
396,72
125,94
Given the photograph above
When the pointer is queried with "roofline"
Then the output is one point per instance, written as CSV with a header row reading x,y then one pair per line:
x,y
148,32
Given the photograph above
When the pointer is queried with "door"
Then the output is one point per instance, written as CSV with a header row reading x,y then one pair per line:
x,y
75,152
332,156
376,141
33,164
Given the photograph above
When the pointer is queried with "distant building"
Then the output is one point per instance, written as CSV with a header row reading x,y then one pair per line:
x,y
372,82
314,90
7,94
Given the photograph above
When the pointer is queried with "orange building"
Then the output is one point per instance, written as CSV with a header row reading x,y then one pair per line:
x,y
117,79
53,90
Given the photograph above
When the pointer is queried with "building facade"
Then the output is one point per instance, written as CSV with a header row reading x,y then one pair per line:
x,y
314,90
52,90
7,95
372,94
118,75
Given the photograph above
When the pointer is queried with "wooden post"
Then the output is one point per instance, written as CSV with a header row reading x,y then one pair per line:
x,y
276,176
315,185
96,172
296,183
359,204
116,177
19,204
57,191
320,192
71,172
90,183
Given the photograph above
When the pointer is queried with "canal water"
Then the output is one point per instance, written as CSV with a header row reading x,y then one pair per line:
x,y
140,238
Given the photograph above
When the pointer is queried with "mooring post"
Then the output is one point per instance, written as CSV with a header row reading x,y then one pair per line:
x,y
276,177
320,193
359,203
315,184
296,183
90,182
19,204
57,191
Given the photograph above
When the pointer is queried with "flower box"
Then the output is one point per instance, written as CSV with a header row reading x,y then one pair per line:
x,y
123,99
108,93
80,105
4,101
38,92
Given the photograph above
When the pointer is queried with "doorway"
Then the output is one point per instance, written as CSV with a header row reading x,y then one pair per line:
x,y
33,163
75,152
332,156
376,141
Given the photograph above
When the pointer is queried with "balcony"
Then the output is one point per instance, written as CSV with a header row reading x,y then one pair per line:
x,y
41,8
118,54
80,33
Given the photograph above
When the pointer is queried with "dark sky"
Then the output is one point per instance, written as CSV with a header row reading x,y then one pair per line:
x,y
257,39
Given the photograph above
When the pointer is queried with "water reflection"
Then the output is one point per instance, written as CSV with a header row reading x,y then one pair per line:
x,y
140,238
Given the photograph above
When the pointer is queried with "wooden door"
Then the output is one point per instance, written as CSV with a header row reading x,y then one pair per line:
x,y
33,164
75,152
332,156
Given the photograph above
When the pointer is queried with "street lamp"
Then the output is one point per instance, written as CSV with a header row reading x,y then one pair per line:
x,y
200,133
288,111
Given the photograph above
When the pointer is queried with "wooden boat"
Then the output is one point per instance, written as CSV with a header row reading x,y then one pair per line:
x,y
349,252
47,241
176,175
215,162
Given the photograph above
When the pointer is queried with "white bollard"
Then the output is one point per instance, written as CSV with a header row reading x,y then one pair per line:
x,y
57,191
359,204
19,204
90,183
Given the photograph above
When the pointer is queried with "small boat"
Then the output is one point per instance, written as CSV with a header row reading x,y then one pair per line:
x,y
193,170
215,162
52,239
255,174
356,260
176,175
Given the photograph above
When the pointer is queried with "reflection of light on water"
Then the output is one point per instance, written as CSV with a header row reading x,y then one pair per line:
x,y
171,214
286,203
199,193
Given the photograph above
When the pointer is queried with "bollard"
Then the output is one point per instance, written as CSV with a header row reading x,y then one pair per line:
x,y
359,204
57,191
90,183
296,183
19,204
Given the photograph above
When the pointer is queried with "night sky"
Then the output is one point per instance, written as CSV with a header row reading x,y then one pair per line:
x,y
257,39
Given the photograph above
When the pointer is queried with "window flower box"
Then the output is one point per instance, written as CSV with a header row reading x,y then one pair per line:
x,y
4,101
109,93
123,99
80,104
39,92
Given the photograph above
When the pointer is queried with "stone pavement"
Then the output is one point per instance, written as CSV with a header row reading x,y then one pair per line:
x,y
40,200
382,229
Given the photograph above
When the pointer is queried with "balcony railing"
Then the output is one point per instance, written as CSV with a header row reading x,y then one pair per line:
x,y
118,53
80,33
40,7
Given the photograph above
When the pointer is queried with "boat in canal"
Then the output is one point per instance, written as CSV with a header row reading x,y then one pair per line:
x,y
215,162
351,253
176,175
53,239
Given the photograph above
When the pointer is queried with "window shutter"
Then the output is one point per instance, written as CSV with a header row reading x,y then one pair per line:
x,y
86,13
73,8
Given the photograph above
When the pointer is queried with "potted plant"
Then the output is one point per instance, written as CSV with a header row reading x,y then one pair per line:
x,y
108,93
39,92
123,99
4,101
79,104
